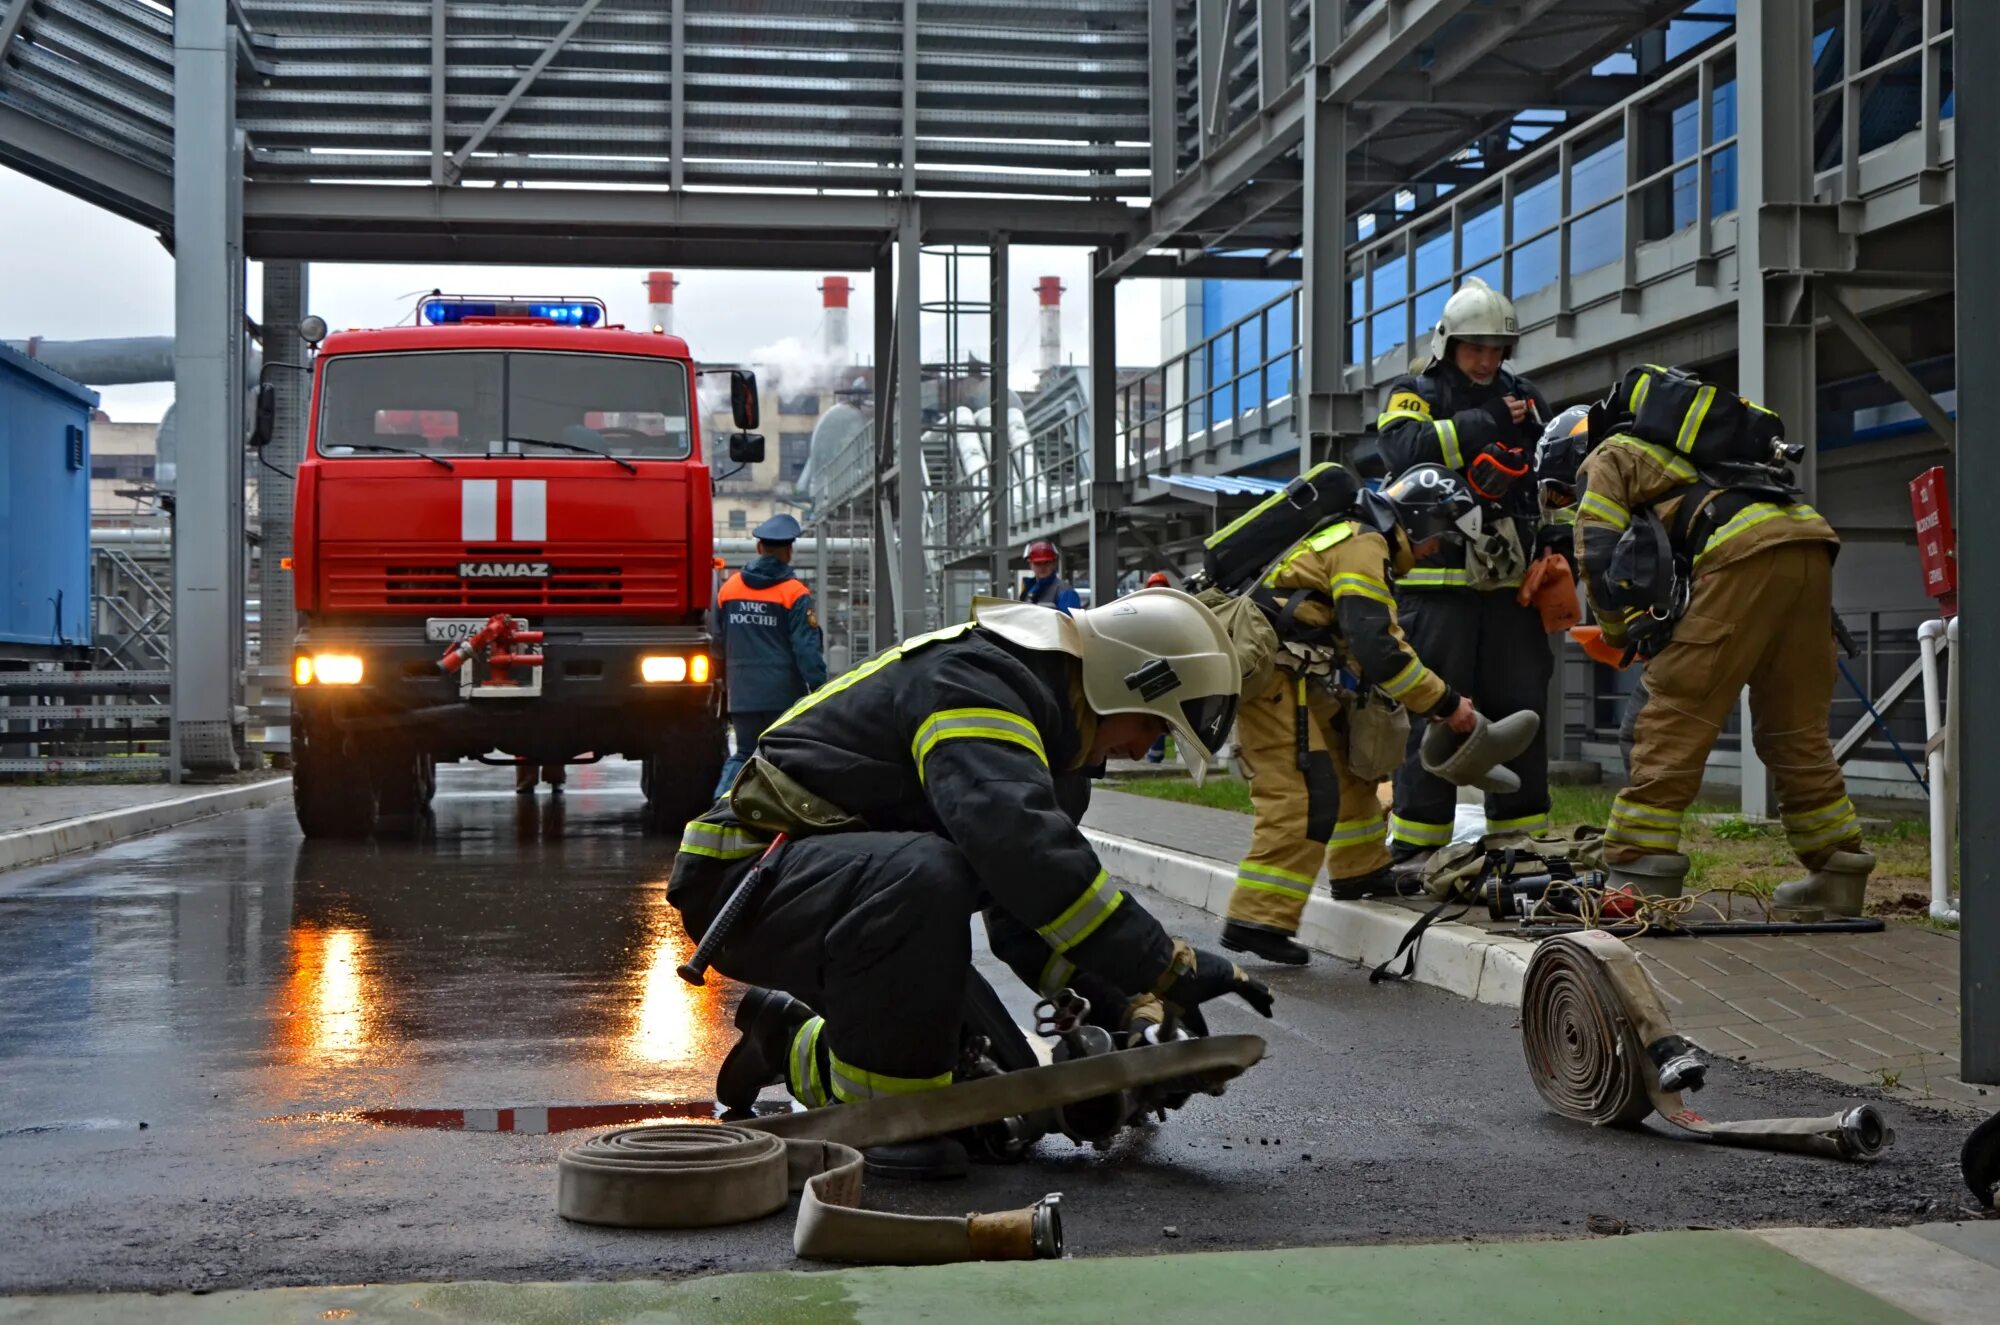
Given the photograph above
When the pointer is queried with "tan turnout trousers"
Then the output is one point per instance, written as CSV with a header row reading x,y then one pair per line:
x,y
1293,833
1764,622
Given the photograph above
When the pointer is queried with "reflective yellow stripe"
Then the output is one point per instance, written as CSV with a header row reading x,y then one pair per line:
x,y
720,842
1659,839
1357,585
1646,814
1410,832
893,654
1639,390
802,1066
1355,832
1448,440
1403,682
1084,915
1527,823
1435,577
1057,972
1601,507
1271,879
1824,814
1749,518
1691,425
1388,417
974,724
1674,465
1330,537
851,1083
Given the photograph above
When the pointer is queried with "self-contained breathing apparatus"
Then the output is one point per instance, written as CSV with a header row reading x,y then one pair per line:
x,y
1740,457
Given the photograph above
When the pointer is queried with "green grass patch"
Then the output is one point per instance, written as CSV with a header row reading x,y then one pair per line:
x,y
1221,793
1739,830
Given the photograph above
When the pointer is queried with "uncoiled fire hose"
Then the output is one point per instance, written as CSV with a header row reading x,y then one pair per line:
x,y
701,1175
1602,1050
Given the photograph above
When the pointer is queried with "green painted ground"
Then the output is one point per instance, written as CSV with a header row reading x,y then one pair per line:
x,y
1710,1278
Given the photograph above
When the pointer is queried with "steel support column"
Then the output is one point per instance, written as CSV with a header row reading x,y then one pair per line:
x,y
1105,488
208,393
1322,379
881,588
437,93
285,301
999,435
912,577
1774,320
1977,39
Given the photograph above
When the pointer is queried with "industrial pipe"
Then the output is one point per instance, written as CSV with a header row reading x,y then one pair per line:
x,y
115,360
1938,722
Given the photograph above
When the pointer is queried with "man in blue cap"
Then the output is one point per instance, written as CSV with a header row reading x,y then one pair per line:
x,y
770,640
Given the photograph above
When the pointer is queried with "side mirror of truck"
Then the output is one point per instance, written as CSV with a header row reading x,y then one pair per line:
x,y
743,398
266,420
746,448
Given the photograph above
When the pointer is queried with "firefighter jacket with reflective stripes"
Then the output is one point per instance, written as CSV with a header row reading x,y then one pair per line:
x,y
1442,417
1623,475
1351,566
966,735
769,638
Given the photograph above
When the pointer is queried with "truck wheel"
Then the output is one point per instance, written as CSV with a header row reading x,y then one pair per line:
x,y
404,783
333,797
679,785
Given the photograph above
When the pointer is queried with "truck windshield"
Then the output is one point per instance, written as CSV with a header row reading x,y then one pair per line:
x,y
487,403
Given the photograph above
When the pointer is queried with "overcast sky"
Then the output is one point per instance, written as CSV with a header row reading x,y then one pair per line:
x,y
85,273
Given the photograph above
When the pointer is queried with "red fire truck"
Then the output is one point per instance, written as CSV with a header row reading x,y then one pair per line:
x,y
503,551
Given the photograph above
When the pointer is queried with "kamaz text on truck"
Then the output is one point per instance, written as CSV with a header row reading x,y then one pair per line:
x,y
504,542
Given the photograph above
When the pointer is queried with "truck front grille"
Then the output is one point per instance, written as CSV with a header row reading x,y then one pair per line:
x,y
357,581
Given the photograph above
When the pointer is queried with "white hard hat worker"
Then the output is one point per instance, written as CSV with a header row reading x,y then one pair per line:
x,y
1156,653
1479,315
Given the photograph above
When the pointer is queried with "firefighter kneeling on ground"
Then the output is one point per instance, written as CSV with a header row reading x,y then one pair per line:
x,y
943,777
1345,617
1739,573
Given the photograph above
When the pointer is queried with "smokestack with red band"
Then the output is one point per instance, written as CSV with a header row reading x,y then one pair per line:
x,y
833,304
1050,290
660,294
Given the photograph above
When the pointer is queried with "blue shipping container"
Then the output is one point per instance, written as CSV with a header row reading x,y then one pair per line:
x,y
44,506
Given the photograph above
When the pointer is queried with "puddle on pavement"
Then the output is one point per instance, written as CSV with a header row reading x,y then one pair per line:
x,y
74,1125
536,1120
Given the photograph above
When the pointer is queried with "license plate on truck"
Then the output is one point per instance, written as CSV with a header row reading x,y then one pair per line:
x,y
450,630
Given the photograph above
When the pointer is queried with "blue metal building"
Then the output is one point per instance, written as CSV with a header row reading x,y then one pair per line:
x,y
44,511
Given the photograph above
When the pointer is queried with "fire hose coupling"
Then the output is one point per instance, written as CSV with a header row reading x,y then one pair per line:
x,y
1032,1234
495,642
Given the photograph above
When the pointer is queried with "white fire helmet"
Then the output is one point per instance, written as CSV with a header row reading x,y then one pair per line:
x,y
1160,651
1476,312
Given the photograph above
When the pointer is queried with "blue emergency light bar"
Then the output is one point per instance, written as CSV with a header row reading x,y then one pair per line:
x,y
451,310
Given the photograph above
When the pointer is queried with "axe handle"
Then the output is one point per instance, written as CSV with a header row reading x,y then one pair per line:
x,y
695,969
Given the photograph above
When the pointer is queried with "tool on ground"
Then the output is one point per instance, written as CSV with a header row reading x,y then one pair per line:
x,y
697,1175
1601,1050
1979,1160
695,969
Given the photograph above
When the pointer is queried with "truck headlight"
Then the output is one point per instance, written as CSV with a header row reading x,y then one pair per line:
x,y
332,669
667,669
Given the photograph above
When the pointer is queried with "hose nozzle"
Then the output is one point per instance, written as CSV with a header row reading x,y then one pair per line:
x,y
1033,1234
1864,1133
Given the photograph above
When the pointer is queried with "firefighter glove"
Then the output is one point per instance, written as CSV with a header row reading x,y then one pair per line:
x,y
1195,976
1496,469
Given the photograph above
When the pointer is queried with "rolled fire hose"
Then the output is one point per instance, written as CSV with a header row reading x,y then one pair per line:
x,y
1602,1050
701,1175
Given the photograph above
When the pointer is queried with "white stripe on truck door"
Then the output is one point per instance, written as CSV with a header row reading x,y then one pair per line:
x,y
531,510
479,510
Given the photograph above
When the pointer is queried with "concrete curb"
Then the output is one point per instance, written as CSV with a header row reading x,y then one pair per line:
x,y
1456,958
44,842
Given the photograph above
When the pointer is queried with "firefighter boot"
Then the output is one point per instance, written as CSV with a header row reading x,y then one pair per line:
x,y
928,1160
1266,943
1834,891
1660,875
768,1018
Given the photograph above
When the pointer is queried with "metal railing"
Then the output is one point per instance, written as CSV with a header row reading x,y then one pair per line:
x,y
1583,201
1870,102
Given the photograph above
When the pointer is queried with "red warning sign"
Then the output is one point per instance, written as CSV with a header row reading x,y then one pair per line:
x,y
1937,545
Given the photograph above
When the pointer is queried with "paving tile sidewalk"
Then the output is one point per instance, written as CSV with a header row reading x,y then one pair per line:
x,y
1864,1009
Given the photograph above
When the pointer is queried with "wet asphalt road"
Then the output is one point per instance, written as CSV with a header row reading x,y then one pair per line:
x,y
202,1033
